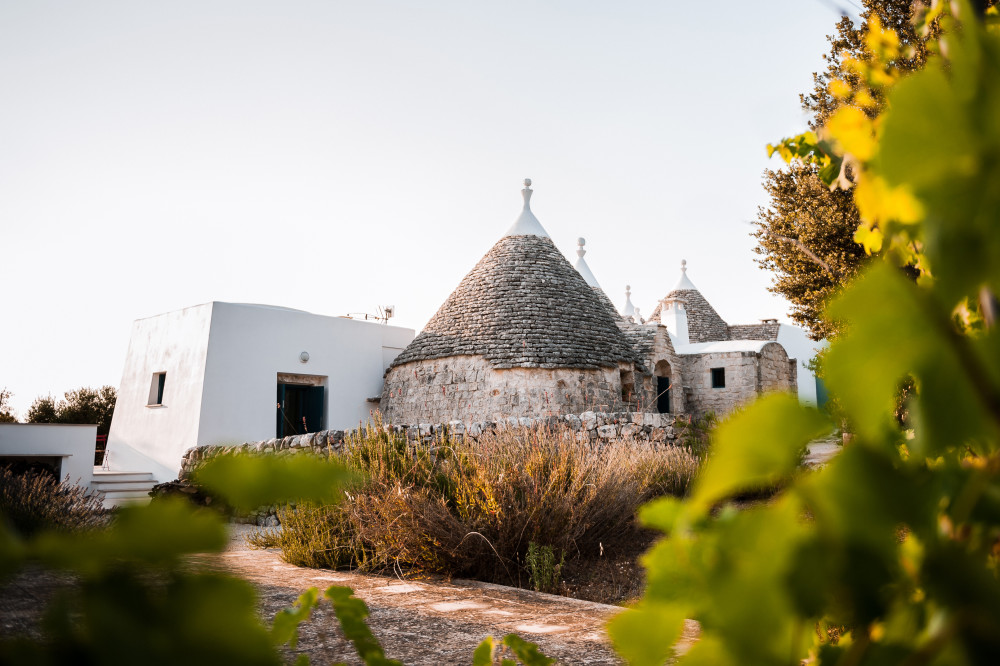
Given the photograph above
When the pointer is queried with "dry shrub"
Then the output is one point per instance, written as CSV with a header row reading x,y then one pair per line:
x,y
468,508
32,502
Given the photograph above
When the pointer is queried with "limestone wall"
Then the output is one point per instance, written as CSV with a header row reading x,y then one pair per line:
x,y
658,356
777,371
586,427
469,387
748,374
741,381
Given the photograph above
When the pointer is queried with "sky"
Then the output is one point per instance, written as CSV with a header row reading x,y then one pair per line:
x,y
336,157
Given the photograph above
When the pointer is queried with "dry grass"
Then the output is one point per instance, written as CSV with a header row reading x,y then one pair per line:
x,y
33,502
466,508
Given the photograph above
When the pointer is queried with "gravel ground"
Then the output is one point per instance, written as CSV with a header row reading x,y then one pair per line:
x,y
424,621
431,622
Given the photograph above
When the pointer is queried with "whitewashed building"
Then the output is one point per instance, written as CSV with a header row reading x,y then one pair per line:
x,y
225,373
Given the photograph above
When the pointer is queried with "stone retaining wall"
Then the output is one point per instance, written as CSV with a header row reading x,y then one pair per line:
x,y
588,426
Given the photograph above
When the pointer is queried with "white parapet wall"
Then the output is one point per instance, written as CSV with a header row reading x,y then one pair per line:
x,y
803,349
69,447
208,375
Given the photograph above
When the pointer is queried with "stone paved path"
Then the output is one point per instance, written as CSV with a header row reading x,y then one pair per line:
x,y
427,622
821,451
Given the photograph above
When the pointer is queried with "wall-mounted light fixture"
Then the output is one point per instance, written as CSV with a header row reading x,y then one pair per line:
x,y
304,357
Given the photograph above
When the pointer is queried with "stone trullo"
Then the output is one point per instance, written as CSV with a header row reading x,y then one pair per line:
x,y
525,334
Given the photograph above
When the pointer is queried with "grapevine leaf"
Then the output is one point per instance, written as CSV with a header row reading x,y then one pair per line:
x,y
528,653
662,513
351,613
157,534
645,635
285,628
483,656
758,447
248,482
866,366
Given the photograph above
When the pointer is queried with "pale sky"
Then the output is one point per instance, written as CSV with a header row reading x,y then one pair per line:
x,y
339,156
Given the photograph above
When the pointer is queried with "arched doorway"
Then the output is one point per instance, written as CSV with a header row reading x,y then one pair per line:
x,y
662,373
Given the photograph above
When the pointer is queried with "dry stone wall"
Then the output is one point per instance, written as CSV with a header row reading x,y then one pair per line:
x,y
588,426
445,389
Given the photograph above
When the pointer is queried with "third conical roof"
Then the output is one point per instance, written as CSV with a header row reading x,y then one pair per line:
x,y
704,323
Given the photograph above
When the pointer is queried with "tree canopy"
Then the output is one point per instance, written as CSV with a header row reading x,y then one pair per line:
x,y
805,236
6,413
84,405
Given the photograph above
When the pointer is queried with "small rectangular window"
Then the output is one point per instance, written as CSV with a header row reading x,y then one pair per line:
x,y
718,378
156,388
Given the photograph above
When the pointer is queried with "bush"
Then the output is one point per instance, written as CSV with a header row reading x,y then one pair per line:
x,y
466,508
697,434
543,571
33,502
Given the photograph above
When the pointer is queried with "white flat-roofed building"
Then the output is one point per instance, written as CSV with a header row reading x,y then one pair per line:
x,y
226,373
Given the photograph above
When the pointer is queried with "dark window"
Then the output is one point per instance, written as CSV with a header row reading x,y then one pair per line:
x,y
718,378
156,388
300,409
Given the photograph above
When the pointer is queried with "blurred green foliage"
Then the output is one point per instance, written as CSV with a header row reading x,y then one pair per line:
x,y
889,554
492,651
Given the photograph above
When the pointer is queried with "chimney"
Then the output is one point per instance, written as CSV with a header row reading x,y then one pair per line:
x,y
673,314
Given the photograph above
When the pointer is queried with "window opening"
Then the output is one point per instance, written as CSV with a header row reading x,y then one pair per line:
x,y
300,409
156,388
662,371
628,385
718,378
663,395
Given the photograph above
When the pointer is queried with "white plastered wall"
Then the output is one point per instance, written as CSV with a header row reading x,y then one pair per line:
x,y
250,345
222,362
72,444
152,438
799,346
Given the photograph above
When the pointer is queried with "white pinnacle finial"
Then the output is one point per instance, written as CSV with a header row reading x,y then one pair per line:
x,y
581,264
684,283
526,223
629,310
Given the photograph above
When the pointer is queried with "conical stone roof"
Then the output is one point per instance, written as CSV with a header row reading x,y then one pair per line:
x,y
704,323
608,305
523,306
588,276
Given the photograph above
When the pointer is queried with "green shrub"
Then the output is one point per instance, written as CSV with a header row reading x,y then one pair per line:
x,y
34,502
697,433
543,571
467,508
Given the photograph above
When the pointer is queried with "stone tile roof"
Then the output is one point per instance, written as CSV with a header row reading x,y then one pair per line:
x,y
642,338
523,306
754,331
704,323
609,306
